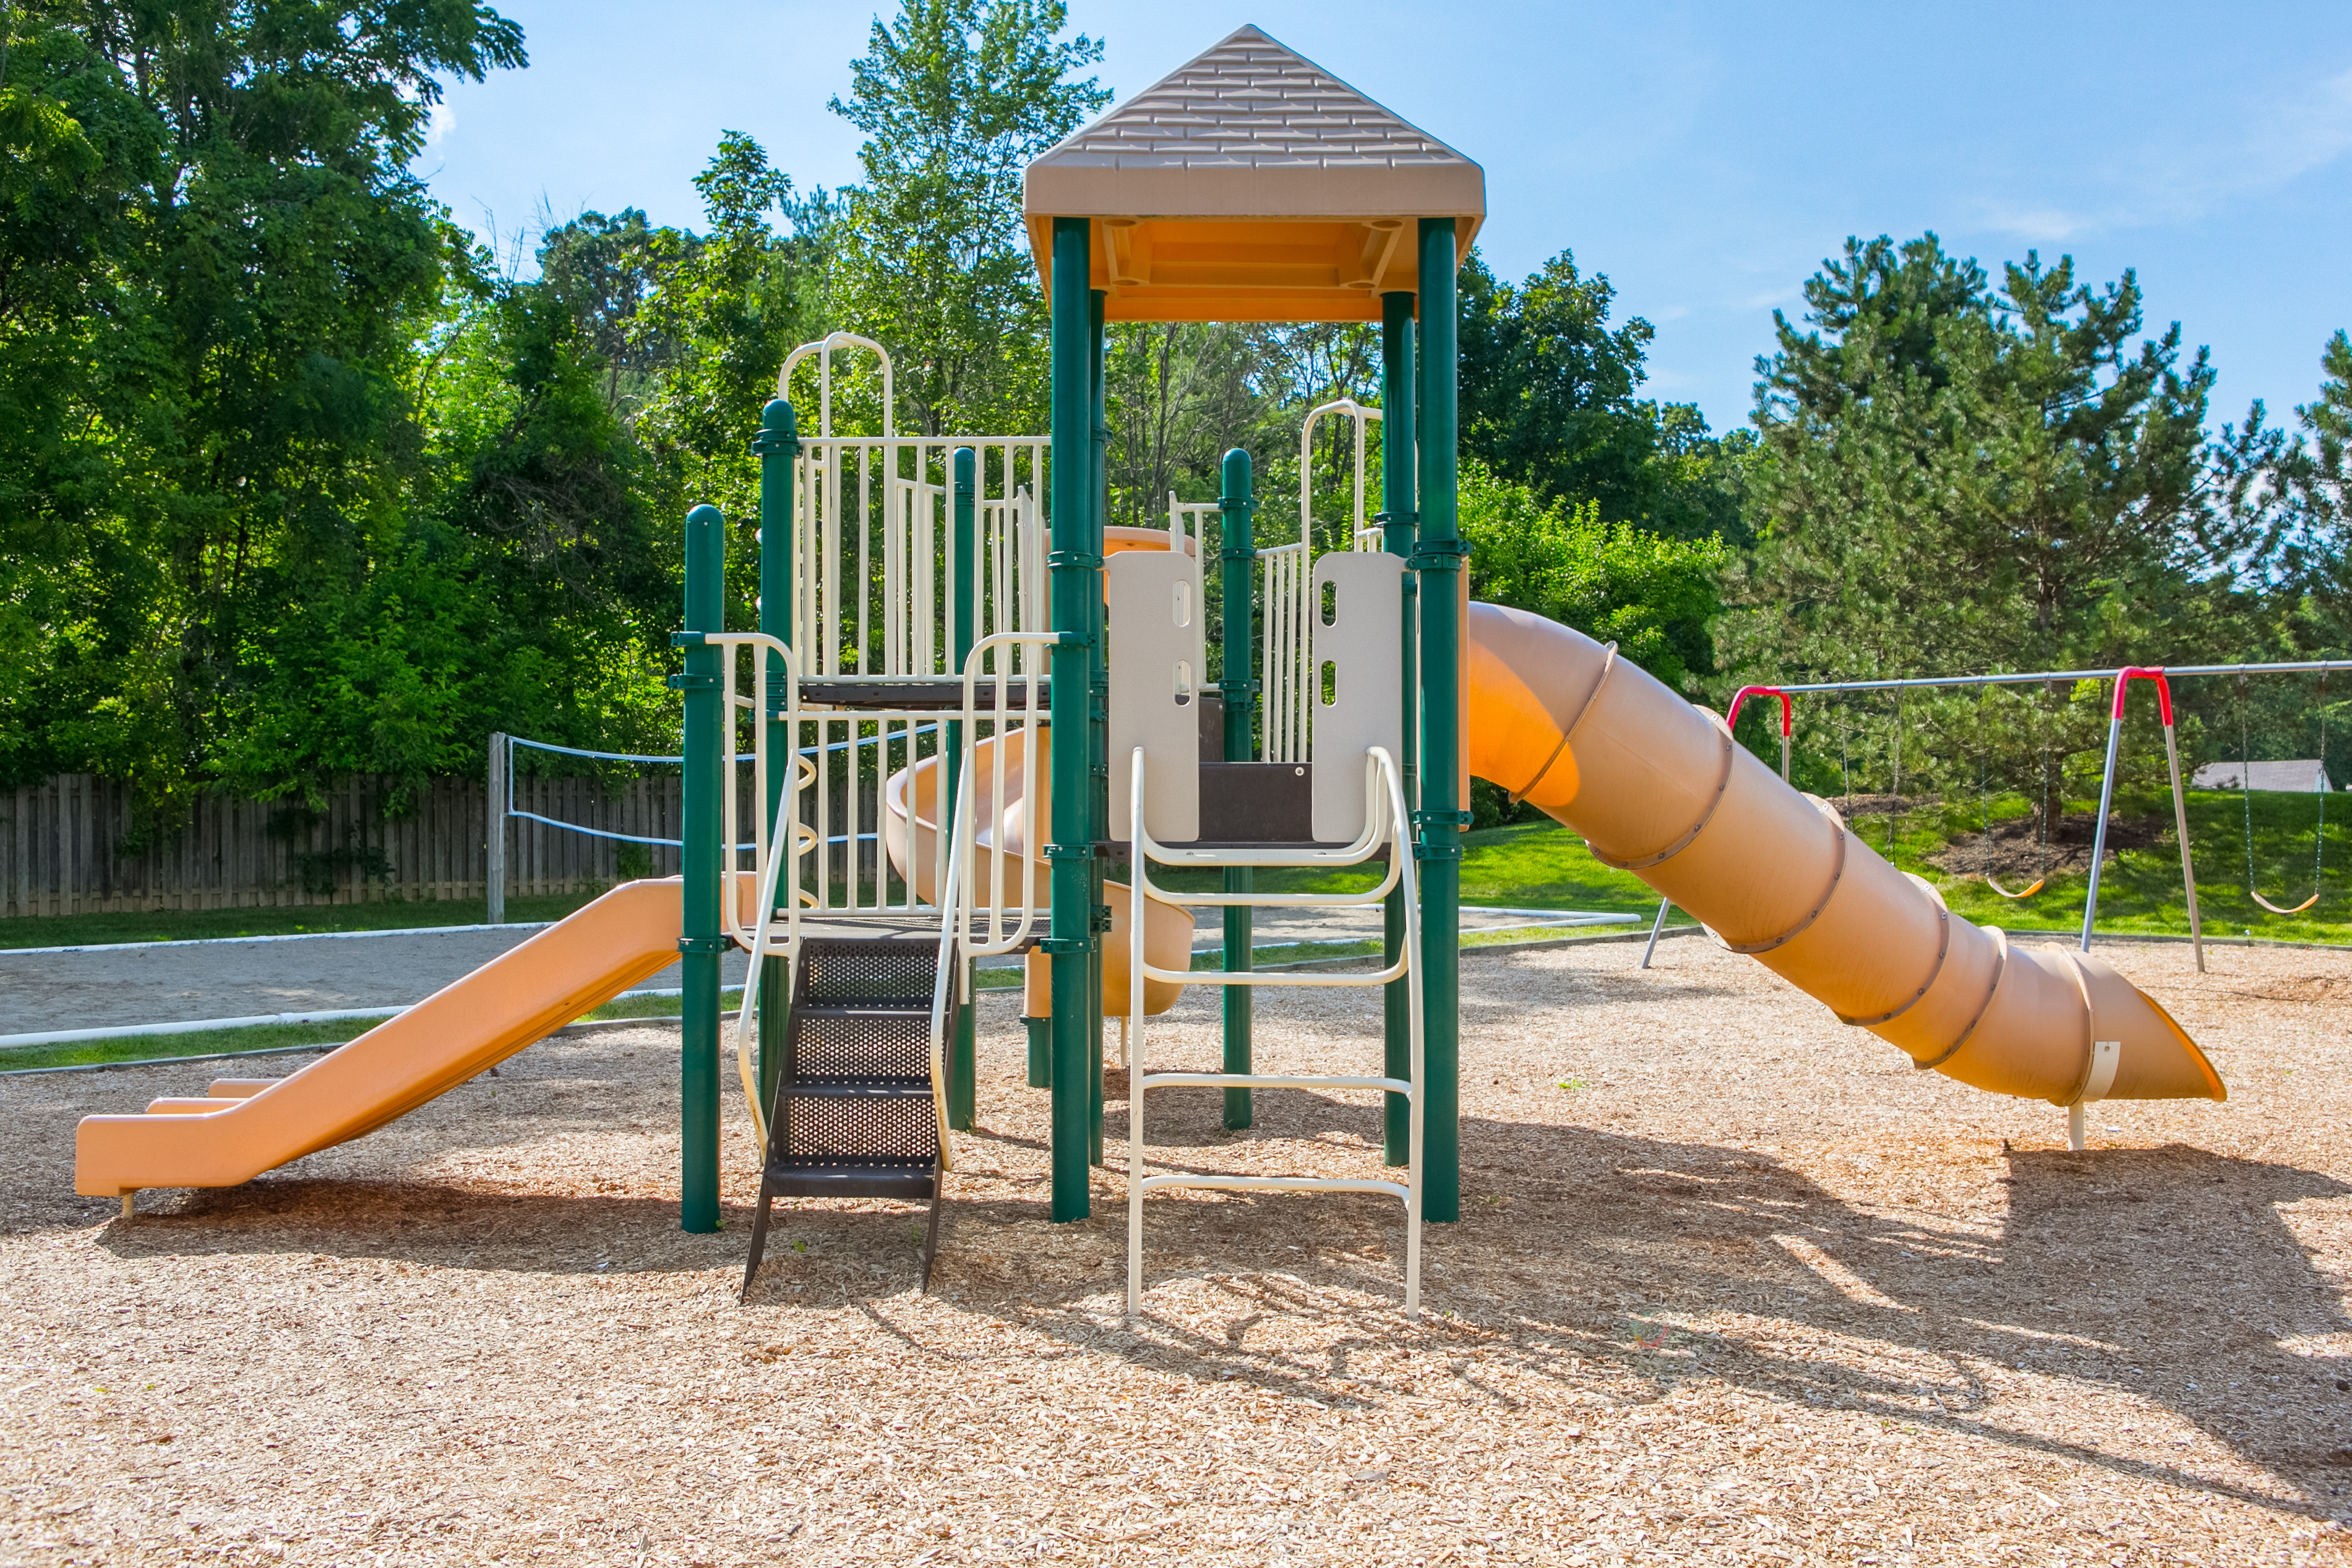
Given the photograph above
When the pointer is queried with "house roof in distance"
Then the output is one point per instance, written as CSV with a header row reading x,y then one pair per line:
x,y
1250,184
2303,776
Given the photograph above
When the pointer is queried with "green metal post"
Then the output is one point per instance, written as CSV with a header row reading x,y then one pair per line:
x,y
963,609
1097,713
1443,814
1041,1051
700,942
1074,565
1397,430
1238,685
778,446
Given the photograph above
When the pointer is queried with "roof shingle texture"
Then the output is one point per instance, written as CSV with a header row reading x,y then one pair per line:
x,y
1249,102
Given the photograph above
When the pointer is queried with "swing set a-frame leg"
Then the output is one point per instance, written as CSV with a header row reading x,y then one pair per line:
x,y
2123,679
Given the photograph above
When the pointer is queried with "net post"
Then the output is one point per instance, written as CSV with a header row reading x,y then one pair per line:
x,y
494,842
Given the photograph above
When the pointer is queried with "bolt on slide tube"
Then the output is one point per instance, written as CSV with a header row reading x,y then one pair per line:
x,y
1384,785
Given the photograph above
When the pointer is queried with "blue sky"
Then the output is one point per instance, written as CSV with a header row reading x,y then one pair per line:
x,y
1705,157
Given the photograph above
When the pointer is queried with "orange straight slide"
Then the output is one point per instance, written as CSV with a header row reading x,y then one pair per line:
x,y
247,1127
1659,787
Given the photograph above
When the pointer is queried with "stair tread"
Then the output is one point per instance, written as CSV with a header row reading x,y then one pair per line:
x,y
846,1087
882,1007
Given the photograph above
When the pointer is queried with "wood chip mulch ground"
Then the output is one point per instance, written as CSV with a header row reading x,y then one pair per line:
x,y
1733,1285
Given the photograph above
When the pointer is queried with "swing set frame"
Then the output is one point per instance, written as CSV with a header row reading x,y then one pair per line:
x,y
2160,676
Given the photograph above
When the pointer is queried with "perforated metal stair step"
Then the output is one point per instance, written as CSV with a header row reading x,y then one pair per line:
x,y
866,1088
854,1114
883,1010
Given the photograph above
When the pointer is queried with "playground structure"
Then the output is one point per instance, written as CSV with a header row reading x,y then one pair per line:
x,y
968,695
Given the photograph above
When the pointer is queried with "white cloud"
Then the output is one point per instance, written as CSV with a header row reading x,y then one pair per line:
x,y
440,124
2301,135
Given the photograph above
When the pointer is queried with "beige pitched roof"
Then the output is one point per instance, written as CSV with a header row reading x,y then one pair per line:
x,y
1251,134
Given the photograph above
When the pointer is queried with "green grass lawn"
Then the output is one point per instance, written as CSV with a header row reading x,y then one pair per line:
x,y
1541,865
2140,889
1534,865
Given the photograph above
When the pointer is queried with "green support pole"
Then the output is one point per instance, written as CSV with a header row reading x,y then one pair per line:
x,y
1097,714
1397,428
1237,684
1443,815
700,943
1074,565
1041,1051
963,609
778,446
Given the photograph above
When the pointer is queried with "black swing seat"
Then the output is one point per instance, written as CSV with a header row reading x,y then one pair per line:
x,y
854,1115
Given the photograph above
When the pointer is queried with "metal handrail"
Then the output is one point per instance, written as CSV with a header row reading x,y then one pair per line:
x,y
964,825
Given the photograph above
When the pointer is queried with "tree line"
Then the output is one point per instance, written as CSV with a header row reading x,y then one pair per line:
x,y
299,478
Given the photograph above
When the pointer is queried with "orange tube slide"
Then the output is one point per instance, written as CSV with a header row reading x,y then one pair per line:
x,y
1166,936
1659,787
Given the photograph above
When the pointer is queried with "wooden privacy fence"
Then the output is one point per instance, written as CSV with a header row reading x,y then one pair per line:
x,y
61,846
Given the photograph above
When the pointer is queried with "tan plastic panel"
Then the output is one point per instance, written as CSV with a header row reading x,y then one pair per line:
x,y
1657,786
1360,651
626,937
1158,661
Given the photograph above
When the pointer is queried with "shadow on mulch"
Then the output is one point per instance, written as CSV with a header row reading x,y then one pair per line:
x,y
2165,1274
1592,1257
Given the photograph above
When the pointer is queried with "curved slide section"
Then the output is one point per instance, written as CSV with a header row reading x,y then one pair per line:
x,y
1659,787
628,935
910,836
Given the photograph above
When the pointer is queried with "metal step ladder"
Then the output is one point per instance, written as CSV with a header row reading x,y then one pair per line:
x,y
856,1111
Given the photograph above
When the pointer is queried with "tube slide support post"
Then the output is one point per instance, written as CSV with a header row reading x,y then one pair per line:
x,y
963,596
1398,519
494,842
1657,928
1237,550
1443,814
705,864
778,446
1074,565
